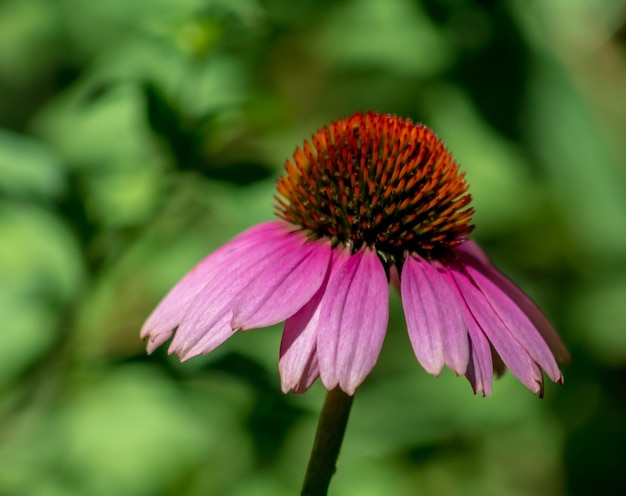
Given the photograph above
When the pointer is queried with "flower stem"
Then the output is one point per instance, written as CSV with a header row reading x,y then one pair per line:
x,y
330,430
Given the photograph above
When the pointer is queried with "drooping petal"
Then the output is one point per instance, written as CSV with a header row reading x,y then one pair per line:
x,y
480,367
214,334
353,321
298,362
518,324
207,322
170,311
477,373
284,288
434,318
298,346
471,254
422,317
309,375
513,354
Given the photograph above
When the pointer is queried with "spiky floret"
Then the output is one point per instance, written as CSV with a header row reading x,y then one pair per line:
x,y
377,180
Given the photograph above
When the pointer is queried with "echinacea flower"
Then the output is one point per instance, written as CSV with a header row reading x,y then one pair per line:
x,y
372,199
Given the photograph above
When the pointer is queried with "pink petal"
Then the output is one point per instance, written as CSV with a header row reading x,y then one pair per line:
x,y
353,321
213,334
472,254
309,375
434,318
480,367
298,358
476,374
298,362
207,322
518,324
170,311
282,289
513,354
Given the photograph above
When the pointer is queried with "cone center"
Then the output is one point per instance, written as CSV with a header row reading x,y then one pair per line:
x,y
377,180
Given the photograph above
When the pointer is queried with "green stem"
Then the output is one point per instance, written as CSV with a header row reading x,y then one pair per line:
x,y
330,430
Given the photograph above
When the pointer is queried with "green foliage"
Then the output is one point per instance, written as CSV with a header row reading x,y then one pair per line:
x,y
136,137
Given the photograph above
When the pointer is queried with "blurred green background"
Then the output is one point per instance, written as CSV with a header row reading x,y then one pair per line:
x,y
137,136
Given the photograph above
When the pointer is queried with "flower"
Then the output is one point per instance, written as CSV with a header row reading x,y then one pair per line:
x,y
374,198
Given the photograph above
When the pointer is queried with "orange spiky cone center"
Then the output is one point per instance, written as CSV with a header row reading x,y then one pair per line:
x,y
377,180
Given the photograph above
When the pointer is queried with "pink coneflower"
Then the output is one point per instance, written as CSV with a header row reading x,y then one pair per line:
x,y
372,198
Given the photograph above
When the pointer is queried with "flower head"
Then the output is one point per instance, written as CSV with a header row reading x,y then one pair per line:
x,y
372,198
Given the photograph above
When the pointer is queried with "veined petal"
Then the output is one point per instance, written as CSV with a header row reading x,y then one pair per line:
x,y
353,321
298,358
422,317
514,355
298,345
480,367
298,362
206,324
480,364
434,318
282,289
309,375
170,311
471,254
518,324
214,334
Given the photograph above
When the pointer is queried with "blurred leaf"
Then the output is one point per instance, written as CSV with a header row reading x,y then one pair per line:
x,y
599,317
492,62
394,36
41,269
184,139
584,177
26,31
498,176
29,331
29,168
273,414
128,431
34,60
461,435
110,133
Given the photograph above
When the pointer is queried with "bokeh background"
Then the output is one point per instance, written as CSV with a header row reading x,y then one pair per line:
x,y
137,136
